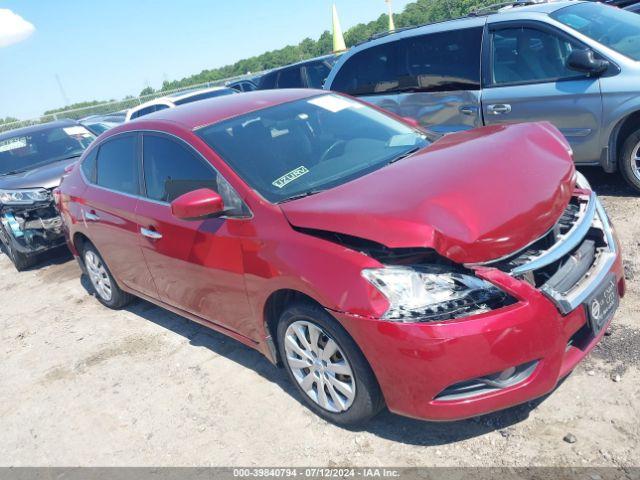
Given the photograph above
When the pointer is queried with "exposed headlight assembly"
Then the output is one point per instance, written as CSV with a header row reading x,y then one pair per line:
x,y
24,197
424,294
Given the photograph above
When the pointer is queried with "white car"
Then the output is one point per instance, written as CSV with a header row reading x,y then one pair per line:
x,y
176,99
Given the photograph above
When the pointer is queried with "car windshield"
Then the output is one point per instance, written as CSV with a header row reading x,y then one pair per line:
x,y
24,151
612,27
305,146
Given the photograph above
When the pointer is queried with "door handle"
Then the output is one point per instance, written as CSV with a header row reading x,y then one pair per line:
x,y
469,110
91,216
152,234
499,109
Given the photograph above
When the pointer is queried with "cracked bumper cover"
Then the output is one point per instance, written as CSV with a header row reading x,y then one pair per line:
x,y
32,229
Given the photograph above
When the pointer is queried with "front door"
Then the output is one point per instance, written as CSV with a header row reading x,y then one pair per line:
x,y
526,79
197,265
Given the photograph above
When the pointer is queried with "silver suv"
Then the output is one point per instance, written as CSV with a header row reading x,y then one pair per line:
x,y
576,64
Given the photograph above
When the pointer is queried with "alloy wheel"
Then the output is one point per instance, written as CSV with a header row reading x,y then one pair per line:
x,y
635,161
319,366
98,275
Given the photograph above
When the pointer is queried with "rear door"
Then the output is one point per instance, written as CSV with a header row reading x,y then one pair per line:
x,y
197,265
109,215
440,86
526,79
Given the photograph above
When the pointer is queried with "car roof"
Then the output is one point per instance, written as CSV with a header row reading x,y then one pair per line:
x,y
213,110
323,58
36,128
498,11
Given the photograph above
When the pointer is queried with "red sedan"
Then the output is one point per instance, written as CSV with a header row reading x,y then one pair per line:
x,y
441,277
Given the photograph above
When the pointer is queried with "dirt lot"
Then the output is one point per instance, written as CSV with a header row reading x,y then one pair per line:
x,y
83,385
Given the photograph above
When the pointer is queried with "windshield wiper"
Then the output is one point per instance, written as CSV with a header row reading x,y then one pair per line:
x,y
300,195
403,155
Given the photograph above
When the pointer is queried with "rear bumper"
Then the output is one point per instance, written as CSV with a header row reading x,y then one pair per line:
x,y
415,362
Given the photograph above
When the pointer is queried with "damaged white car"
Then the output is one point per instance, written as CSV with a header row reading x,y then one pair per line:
x,y
32,162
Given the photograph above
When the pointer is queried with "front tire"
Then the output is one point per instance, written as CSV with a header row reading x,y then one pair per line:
x,y
629,163
104,285
20,261
326,366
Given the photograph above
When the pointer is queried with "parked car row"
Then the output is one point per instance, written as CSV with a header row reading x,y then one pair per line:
x,y
375,259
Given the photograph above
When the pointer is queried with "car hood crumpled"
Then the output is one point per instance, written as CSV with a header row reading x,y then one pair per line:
x,y
472,196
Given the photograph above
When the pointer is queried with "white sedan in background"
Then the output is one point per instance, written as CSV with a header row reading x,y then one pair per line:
x,y
176,99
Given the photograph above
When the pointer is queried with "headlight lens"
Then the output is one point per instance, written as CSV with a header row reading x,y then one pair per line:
x,y
23,197
418,294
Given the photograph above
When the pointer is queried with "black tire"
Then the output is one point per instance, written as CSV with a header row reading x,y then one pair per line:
x,y
118,298
627,161
20,261
368,399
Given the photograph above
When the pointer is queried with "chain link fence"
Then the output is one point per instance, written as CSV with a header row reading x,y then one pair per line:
x,y
115,106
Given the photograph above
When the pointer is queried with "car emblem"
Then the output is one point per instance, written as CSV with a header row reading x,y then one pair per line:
x,y
595,309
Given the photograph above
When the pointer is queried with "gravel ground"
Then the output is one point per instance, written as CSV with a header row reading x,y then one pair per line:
x,y
83,385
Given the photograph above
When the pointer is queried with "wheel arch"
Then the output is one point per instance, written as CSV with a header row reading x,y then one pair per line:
x,y
275,304
622,129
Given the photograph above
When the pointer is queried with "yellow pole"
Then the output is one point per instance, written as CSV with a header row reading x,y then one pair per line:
x,y
338,38
392,25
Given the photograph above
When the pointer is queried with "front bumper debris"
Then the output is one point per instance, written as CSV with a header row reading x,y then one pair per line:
x,y
465,367
32,228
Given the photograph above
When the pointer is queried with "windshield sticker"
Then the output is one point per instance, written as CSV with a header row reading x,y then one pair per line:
x,y
77,130
403,140
13,144
333,103
290,177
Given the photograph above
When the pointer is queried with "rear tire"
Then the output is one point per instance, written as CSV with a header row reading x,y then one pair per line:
x,y
20,261
102,282
341,387
629,162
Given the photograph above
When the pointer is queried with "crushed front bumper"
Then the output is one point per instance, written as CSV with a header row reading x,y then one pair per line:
x,y
471,366
32,229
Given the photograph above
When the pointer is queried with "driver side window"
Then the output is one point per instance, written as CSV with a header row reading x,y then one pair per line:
x,y
527,55
172,169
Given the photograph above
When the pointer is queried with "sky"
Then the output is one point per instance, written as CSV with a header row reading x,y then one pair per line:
x,y
101,50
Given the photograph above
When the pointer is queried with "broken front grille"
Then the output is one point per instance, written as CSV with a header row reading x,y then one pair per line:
x,y
571,259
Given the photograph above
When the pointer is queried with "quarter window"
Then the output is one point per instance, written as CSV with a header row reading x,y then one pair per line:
x,y
117,165
371,71
172,169
526,55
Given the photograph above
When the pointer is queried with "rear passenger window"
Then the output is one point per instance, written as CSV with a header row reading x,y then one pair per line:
x,y
443,61
527,55
172,169
371,71
117,165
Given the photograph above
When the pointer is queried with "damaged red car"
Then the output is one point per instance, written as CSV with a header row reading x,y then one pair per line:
x,y
442,278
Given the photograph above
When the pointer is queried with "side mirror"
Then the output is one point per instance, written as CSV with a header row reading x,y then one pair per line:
x,y
584,61
197,204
